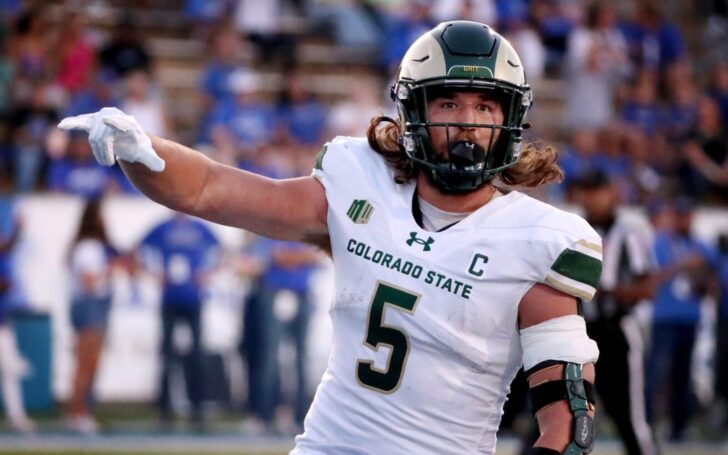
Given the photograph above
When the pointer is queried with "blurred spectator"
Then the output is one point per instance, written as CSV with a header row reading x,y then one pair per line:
x,y
6,73
76,54
183,251
403,29
30,125
706,152
681,108
612,158
483,11
719,88
526,41
91,260
641,108
653,42
100,92
509,10
579,157
204,14
350,116
77,172
126,50
714,43
682,266
12,365
143,100
721,332
30,48
626,280
596,63
301,114
9,9
269,27
244,123
279,306
358,25
225,52
555,21
645,180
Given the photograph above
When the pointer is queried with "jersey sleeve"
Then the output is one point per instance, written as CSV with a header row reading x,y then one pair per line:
x,y
574,260
336,161
347,167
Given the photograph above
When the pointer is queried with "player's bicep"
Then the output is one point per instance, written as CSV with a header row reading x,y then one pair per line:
x,y
290,209
543,302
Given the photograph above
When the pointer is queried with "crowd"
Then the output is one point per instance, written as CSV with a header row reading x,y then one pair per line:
x,y
641,108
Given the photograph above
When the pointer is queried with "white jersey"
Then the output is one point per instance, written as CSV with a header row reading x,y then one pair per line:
x,y
425,332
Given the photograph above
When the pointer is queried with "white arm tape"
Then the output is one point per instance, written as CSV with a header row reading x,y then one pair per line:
x,y
563,338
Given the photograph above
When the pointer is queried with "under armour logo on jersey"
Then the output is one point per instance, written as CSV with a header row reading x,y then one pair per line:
x,y
425,243
360,211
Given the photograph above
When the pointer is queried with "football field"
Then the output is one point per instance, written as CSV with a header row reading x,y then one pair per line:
x,y
169,444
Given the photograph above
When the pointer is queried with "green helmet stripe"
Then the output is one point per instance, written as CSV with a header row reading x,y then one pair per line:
x,y
469,58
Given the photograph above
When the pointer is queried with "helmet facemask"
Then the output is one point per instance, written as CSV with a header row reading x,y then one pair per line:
x,y
468,165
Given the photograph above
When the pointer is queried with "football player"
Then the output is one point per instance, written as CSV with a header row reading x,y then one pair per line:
x,y
446,283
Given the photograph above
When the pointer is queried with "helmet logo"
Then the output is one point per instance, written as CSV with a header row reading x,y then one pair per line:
x,y
425,243
469,71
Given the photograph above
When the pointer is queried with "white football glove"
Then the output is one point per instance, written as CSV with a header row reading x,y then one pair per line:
x,y
114,134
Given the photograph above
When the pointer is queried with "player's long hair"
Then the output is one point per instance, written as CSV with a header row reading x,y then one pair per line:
x,y
536,166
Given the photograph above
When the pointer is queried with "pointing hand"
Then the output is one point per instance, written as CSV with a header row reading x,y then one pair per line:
x,y
115,135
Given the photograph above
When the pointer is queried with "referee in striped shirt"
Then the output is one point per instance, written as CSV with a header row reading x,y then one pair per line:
x,y
626,280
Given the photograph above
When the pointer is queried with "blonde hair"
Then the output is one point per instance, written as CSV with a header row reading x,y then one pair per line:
x,y
536,166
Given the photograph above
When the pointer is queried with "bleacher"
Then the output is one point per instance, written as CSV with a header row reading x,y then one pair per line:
x,y
179,55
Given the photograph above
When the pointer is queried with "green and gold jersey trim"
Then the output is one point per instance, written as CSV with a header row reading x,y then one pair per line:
x,y
577,270
319,164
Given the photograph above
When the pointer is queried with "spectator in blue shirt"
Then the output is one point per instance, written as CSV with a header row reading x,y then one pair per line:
x,y
243,120
302,116
579,157
403,29
653,42
99,94
721,367
705,150
78,173
184,251
287,266
719,88
225,51
642,109
682,265
12,365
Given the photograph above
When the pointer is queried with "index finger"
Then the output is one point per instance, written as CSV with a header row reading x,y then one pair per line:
x,y
79,122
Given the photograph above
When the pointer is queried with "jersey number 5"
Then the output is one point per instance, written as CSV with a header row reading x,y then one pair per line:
x,y
378,334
